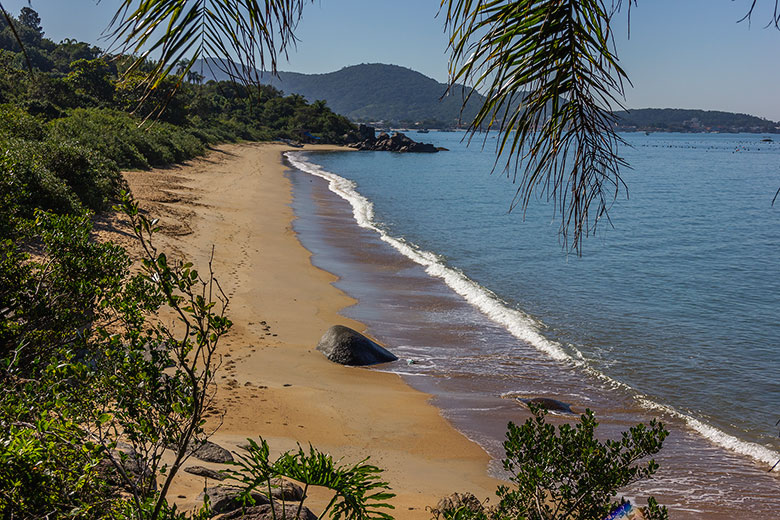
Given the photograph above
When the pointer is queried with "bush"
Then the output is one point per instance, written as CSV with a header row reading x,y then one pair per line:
x,y
15,122
117,135
95,180
27,184
567,473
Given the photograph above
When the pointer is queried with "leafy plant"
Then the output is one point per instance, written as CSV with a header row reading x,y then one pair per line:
x,y
358,491
567,473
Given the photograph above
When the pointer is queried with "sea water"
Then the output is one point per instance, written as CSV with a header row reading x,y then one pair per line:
x,y
671,312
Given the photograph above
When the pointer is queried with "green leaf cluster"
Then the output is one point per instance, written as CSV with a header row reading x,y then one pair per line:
x,y
359,492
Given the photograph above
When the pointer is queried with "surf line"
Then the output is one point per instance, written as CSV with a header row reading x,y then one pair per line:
x,y
519,324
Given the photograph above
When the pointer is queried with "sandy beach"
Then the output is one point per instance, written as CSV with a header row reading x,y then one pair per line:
x,y
272,382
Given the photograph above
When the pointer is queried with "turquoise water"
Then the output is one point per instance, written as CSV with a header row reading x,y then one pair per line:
x,y
677,306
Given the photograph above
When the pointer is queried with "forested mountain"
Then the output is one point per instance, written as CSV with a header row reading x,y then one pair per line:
x,y
680,120
375,92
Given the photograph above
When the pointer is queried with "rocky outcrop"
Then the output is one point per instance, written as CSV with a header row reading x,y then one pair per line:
x,y
348,347
133,466
398,142
264,512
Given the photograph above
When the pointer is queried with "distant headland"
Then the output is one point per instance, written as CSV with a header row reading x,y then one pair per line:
x,y
390,96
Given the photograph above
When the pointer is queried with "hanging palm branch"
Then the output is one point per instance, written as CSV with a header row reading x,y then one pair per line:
x,y
550,75
244,37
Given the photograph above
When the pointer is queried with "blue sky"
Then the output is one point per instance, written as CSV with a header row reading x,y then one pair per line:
x,y
681,54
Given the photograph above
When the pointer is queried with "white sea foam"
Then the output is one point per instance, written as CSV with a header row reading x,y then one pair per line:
x,y
519,324
516,322
757,452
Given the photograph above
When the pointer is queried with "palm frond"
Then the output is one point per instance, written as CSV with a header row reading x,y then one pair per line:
x,y
244,37
551,78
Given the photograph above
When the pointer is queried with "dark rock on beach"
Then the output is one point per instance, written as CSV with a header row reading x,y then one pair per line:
x,y
398,142
205,472
211,452
264,512
285,490
348,347
225,499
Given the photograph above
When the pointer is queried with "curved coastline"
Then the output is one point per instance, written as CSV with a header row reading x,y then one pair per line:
x,y
274,383
521,326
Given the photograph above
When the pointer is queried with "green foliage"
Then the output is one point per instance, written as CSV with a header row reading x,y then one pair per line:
x,y
92,79
16,122
359,492
116,135
83,370
567,473
27,184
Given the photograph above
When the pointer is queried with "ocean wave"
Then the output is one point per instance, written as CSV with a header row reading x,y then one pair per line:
x,y
521,325
717,437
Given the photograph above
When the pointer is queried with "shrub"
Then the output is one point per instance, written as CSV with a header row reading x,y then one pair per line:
x,y
94,179
26,183
117,135
567,473
15,122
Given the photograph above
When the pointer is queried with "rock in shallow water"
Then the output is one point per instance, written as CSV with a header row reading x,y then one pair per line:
x,y
552,405
348,347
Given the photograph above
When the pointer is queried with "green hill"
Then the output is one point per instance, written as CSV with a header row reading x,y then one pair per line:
x,y
680,120
376,92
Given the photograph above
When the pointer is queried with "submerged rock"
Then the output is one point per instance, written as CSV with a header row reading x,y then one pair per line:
x,y
552,405
348,347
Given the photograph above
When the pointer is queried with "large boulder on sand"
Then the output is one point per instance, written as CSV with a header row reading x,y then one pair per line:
x,y
224,499
348,347
211,452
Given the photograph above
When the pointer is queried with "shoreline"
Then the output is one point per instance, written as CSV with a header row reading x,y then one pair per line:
x,y
469,398
273,382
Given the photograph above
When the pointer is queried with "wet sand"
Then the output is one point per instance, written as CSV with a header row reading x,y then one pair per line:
x,y
272,382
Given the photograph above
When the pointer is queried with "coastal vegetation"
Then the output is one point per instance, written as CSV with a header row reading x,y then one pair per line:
x,y
94,387
397,97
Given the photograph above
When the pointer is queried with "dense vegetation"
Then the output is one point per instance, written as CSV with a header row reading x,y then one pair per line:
x,y
373,92
679,120
93,388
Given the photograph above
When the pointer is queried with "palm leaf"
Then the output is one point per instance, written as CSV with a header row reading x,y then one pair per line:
x,y
550,75
244,37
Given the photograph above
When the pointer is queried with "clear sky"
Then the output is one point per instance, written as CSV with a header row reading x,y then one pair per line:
x,y
681,54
